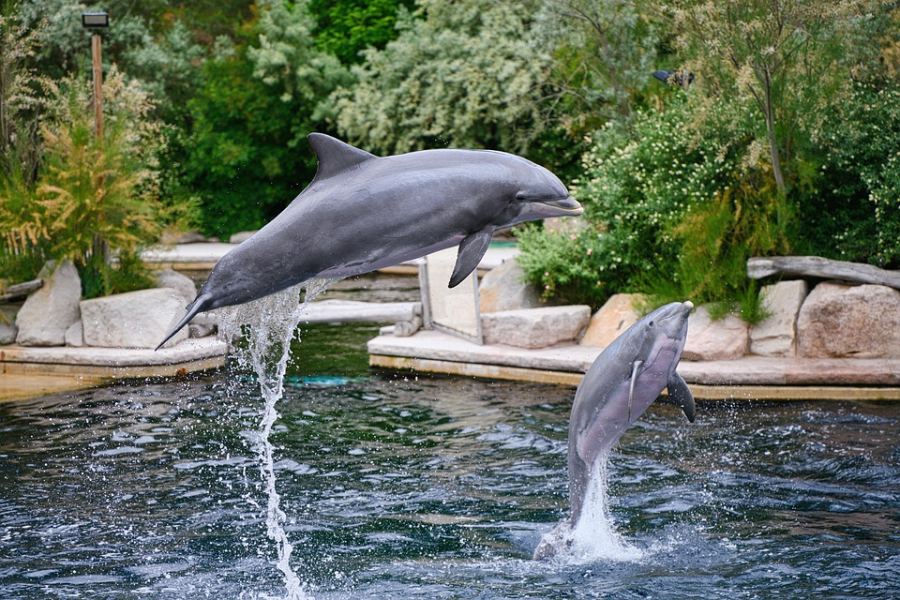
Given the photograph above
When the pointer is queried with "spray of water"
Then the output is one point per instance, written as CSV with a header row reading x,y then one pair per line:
x,y
270,323
594,536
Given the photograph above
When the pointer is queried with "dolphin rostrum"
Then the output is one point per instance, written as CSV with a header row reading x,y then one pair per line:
x,y
362,212
621,384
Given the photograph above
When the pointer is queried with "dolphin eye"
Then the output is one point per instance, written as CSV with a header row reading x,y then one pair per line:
x,y
650,324
521,196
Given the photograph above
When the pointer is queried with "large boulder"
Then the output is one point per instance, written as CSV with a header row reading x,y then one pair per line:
x,y
776,335
505,288
48,312
715,339
75,335
535,327
613,318
169,278
850,321
134,320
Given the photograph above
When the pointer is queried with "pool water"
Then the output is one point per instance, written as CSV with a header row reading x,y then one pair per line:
x,y
413,487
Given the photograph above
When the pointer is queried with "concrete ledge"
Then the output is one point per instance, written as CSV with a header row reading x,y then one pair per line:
x,y
348,311
440,352
700,391
188,356
203,256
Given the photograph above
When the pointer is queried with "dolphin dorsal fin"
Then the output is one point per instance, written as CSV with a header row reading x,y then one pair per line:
x,y
334,155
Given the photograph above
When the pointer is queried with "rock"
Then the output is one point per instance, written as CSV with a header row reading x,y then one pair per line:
x,y
168,278
407,328
850,321
722,339
134,320
170,237
75,335
613,318
240,236
504,288
197,330
776,335
8,334
535,327
48,312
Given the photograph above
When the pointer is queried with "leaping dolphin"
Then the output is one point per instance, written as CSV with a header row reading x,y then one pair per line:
x,y
621,384
362,212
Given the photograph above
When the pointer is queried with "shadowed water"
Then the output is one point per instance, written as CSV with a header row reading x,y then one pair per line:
x,y
434,488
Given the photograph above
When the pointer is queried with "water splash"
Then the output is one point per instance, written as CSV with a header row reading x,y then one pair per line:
x,y
270,323
594,536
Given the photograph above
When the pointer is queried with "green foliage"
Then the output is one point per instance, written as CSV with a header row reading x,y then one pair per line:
x,y
345,28
465,75
246,153
672,212
854,212
127,274
91,194
603,53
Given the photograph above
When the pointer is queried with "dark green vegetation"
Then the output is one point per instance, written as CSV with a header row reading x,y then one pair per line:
x,y
777,132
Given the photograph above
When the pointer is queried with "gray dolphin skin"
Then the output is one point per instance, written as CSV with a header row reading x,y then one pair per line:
x,y
621,384
362,212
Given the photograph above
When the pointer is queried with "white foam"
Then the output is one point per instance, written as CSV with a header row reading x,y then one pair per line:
x,y
594,537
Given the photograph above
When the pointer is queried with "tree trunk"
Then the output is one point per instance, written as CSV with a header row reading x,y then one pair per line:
x,y
773,138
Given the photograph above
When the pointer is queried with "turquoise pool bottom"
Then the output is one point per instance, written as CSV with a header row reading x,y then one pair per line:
x,y
434,488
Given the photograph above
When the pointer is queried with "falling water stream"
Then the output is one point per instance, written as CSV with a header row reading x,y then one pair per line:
x,y
270,323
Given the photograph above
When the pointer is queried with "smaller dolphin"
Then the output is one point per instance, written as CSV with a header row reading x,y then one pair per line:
x,y
621,384
363,212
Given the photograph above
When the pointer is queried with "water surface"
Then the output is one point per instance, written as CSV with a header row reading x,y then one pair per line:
x,y
405,487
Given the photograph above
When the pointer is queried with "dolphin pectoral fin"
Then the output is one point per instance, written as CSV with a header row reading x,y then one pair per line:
x,y
681,395
634,375
471,251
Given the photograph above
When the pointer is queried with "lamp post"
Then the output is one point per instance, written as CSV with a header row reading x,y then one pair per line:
x,y
95,21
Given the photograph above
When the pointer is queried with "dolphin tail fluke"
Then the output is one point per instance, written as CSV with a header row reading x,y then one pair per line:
x,y
199,303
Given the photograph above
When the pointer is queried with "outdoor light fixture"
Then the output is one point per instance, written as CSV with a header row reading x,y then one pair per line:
x,y
95,20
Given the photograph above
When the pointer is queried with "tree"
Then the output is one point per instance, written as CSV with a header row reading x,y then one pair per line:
x,y
345,28
786,55
246,153
465,74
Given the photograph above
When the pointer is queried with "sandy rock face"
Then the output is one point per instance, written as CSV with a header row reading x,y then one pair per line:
x,y
535,327
75,334
8,334
776,335
48,312
169,278
724,339
504,288
134,320
611,321
860,321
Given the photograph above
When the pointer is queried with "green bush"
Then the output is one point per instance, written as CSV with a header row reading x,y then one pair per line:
x,y
92,196
854,211
671,210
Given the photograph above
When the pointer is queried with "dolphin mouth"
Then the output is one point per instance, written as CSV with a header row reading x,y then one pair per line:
x,y
564,207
